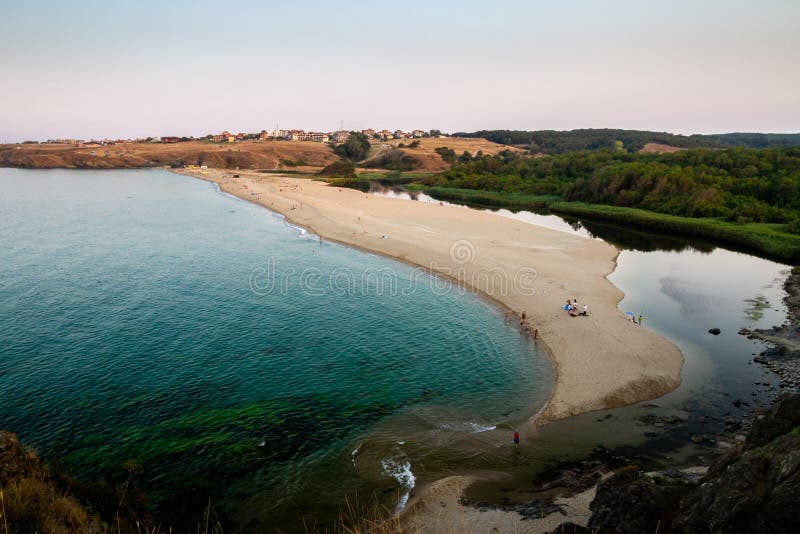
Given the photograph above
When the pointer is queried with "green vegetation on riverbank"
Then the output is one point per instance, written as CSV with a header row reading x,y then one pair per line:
x,y
770,239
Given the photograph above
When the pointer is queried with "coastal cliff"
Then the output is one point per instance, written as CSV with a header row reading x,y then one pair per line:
x,y
247,155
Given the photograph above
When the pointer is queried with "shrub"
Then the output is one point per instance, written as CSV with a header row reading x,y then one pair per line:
x,y
447,154
341,168
355,148
395,160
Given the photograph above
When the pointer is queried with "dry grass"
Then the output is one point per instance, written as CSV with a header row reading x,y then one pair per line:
x,y
245,155
33,505
659,148
289,155
429,159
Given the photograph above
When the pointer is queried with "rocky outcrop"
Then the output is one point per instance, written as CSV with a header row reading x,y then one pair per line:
x,y
632,502
783,357
754,488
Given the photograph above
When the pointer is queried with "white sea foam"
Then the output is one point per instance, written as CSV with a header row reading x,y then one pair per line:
x,y
355,453
468,426
301,230
399,468
477,428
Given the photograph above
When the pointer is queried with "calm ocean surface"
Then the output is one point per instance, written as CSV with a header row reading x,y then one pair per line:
x,y
147,319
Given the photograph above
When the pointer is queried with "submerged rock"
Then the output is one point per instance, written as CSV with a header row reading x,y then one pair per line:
x,y
715,331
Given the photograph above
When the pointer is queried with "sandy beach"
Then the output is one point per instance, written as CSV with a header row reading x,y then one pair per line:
x,y
438,510
600,361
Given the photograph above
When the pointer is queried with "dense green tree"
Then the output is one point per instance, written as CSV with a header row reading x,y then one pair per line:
x,y
738,184
355,148
448,154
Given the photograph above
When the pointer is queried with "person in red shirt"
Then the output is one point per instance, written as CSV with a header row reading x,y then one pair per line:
x,y
516,439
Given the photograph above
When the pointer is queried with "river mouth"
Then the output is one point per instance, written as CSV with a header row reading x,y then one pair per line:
x,y
683,288
157,332
200,361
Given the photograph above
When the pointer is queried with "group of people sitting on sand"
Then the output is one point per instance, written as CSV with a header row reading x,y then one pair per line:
x,y
571,307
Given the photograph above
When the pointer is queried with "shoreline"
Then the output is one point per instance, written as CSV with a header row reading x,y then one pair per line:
x,y
637,364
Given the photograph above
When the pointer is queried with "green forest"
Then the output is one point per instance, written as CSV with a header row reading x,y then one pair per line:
x,y
560,142
757,190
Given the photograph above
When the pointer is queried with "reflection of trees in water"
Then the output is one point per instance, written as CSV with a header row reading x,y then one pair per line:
x,y
636,239
755,307
624,237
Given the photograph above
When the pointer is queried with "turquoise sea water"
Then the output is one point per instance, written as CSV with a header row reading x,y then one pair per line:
x,y
148,319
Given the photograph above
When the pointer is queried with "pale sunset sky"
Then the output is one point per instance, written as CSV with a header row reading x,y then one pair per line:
x,y
146,68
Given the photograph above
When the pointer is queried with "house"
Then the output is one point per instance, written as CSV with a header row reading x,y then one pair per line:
x,y
296,135
239,137
418,133
272,134
400,134
318,137
369,132
170,139
224,137
386,135
341,136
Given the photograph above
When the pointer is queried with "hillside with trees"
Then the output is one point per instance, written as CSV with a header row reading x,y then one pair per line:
x,y
754,140
559,142
739,185
743,190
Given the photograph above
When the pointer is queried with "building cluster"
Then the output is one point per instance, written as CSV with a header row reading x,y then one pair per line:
x,y
387,135
92,143
337,137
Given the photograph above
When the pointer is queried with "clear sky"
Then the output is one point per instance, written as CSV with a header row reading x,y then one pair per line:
x,y
138,68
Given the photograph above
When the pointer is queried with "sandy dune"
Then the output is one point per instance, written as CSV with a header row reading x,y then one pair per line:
x,y
601,361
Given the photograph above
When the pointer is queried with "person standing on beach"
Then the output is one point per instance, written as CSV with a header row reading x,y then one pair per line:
x,y
516,439
640,319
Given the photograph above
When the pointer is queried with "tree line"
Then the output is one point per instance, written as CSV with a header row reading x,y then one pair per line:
x,y
740,185
559,142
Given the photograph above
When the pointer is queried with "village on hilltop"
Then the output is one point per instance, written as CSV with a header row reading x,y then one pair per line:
x,y
336,138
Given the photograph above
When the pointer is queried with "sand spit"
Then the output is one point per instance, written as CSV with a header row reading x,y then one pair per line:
x,y
601,361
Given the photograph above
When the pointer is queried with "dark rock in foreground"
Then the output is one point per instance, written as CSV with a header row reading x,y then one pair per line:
x,y
754,488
